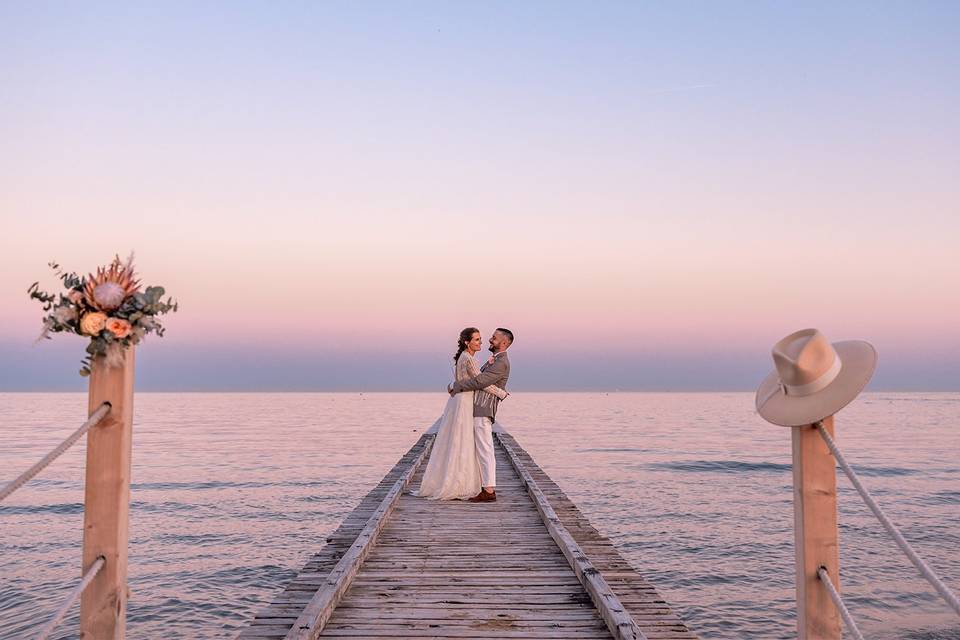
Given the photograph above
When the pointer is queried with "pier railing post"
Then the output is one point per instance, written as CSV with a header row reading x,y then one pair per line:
x,y
103,606
816,538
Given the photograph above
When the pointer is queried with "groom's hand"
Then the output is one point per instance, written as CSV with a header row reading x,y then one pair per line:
x,y
450,390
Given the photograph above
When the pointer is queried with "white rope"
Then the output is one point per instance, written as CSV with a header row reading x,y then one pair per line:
x,y
92,421
838,603
90,574
917,561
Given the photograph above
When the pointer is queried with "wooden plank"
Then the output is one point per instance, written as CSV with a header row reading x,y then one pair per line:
x,y
480,629
315,615
295,596
619,622
636,594
448,569
454,569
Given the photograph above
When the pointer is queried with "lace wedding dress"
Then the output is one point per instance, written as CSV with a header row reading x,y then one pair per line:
x,y
453,472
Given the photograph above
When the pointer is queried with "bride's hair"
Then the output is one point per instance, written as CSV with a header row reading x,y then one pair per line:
x,y
465,337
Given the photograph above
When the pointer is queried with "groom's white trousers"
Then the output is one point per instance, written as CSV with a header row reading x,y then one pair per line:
x,y
483,436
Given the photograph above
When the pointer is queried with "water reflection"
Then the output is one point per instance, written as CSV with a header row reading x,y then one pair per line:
x,y
233,492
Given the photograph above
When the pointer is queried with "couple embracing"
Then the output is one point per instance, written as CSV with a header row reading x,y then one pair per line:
x,y
462,465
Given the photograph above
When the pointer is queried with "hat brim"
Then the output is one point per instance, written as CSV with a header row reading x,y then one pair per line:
x,y
859,360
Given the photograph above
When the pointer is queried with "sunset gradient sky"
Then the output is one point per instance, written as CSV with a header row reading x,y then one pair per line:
x,y
649,194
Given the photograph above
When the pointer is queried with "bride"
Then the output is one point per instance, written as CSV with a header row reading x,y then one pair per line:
x,y
453,472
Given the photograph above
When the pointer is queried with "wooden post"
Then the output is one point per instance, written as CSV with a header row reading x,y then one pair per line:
x,y
103,605
815,524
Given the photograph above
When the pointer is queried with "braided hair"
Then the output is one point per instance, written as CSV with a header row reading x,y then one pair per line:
x,y
465,336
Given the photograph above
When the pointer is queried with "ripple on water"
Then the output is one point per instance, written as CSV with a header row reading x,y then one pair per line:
x,y
695,490
76,507
718,466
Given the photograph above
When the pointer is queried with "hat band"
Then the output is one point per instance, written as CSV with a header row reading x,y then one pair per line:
x,y
819,384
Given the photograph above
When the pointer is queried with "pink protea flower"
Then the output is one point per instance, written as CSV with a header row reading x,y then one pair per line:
x,y
107,290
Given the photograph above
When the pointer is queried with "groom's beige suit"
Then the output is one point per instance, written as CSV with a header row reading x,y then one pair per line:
x,y
485,411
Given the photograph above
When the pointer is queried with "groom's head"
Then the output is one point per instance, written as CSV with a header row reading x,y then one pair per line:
x,y
500,340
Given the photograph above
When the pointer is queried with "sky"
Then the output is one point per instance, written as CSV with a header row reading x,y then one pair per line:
x,y
649,195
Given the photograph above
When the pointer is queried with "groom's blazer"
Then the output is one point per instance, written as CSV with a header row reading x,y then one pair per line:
x,y
485,404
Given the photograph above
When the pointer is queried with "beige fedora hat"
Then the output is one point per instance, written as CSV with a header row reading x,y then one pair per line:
x,y
813,378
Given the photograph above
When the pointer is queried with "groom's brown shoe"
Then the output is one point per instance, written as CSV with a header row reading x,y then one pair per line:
x,y
485,496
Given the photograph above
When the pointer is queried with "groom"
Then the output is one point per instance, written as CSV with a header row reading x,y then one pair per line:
x,y
494,372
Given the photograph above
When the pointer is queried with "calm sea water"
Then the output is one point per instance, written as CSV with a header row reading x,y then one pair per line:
x,y
232,492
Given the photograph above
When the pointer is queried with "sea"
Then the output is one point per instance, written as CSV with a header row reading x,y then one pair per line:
x,y
231,492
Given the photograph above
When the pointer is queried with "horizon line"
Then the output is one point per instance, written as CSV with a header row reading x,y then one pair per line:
x,y
362,391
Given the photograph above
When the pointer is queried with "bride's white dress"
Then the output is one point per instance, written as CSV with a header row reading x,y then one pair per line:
x,y
453,471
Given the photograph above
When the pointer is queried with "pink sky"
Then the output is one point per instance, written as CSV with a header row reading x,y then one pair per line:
x,y
374,193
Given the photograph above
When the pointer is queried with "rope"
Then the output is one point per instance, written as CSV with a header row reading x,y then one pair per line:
x,y
62,611
838,603
917,561
92,421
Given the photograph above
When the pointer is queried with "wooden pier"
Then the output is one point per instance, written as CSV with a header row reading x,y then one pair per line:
x,y
527,566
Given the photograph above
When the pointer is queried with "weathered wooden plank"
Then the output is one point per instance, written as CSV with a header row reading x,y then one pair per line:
x,y
293,596
460,570
469,615
619,622
454,563
315,615
490,632
636,594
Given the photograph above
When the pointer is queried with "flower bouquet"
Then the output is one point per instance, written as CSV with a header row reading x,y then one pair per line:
x,y
108,307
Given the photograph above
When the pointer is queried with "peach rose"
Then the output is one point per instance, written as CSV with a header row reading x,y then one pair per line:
x,y
119,327
93,323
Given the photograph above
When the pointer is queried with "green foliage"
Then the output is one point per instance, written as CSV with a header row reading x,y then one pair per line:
x,y
65,311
